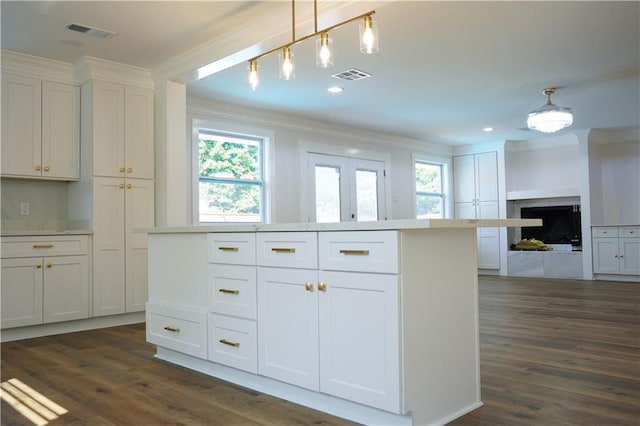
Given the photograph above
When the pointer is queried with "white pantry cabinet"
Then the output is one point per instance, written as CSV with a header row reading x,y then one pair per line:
x,y
40,128
616,250
44,280
120,255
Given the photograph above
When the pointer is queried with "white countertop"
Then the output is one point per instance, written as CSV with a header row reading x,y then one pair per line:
x,y
44,232
345,226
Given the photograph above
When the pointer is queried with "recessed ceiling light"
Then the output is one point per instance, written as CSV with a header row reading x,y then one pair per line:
x,y
335,89
488,129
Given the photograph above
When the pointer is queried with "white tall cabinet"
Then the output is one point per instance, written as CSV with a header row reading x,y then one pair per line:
x,y
475,181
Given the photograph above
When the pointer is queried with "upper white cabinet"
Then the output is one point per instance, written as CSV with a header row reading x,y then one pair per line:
x,y
40,128
121,129
475,181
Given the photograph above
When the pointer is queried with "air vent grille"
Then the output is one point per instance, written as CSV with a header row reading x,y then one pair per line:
x,y
351,75
84,29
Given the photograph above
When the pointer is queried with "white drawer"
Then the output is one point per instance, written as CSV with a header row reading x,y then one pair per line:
x,y
63,245
232,290
237,248
629,231
604,232
373,251
233,342
288,249
178,329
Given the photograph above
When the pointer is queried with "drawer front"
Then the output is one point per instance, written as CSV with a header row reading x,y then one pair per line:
x,y
233,342
178,329
45,246
629,231
372,251
232,290
234,248
288,249
605,232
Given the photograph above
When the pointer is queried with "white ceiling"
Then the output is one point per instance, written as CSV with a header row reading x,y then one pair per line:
x,y
445,70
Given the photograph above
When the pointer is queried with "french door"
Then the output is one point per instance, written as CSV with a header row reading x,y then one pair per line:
x,y
345,189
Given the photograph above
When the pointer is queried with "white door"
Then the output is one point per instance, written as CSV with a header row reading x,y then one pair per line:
x,y
108,129
138,125
605,256
66,288
21,292
345,189
486,166
60,130
288,326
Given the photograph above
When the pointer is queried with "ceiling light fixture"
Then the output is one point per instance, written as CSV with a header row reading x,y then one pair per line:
x,y
324,45
550,117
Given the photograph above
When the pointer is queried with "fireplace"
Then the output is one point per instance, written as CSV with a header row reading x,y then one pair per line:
x,y
560,224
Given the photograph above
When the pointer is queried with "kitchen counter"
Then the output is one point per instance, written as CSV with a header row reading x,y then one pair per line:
x,y
44,232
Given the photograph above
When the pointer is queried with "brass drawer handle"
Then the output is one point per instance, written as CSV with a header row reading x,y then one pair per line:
x,y
221,248
42,246
355,252
38,265
172,329
228,343
226,291
49,265
283,250
322,286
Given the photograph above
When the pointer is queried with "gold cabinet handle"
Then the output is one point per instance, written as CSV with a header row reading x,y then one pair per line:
x,y
38,265
283,249
228,343
129,170
622,255
121,169
227,291
121,186
42,246
221,248
129,186
172,329
308,286
355,252
46,168
322,286
49,265
37,168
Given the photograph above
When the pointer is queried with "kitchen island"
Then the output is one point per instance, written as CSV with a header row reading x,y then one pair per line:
x,y
376,322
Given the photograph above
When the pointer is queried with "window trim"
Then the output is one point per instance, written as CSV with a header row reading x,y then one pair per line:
x,y
445,163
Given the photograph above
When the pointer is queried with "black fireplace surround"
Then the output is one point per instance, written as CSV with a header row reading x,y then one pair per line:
x,y
560,224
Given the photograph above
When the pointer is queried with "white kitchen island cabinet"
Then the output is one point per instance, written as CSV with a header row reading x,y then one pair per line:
x,y
376,322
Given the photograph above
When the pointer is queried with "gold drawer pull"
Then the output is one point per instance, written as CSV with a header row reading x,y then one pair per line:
x,y
49,265
226,291
172,329
322,286
38,265
355,252
228,248
39,246
283,250
228,343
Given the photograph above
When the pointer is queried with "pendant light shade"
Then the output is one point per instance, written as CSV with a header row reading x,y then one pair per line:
x,y
368,35
287,66
324,51
550,117
253,79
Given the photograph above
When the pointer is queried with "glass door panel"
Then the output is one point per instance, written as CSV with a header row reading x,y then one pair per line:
x,y
366,195
327,185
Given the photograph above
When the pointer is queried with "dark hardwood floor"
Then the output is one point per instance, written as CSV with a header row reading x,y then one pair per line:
x,y
553,352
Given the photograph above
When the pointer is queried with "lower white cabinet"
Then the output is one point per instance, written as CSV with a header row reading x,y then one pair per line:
x,y
616,250
43,289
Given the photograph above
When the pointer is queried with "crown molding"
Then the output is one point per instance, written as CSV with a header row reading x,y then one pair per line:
x,y
617,135
90,68
37,67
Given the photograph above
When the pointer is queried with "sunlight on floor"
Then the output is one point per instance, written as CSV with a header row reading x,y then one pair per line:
x,y
34,406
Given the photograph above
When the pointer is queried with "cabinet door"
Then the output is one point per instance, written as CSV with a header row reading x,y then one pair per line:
x,y
60,130
288,326
21,292
139,213
464,185
629,256
465,210
138,131
486,166
66,288
108,129
605,256
108,246
359,338
21,125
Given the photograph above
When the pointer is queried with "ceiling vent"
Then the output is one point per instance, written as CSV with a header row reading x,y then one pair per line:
x,y
84,29
351,75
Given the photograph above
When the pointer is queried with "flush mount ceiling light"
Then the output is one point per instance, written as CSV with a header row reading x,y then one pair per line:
x,y
324,45
549,118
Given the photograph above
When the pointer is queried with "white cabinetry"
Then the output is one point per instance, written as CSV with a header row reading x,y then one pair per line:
x,y
44,280
40,128
616,250
475,180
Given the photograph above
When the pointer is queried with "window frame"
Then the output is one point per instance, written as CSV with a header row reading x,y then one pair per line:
x,y
445,166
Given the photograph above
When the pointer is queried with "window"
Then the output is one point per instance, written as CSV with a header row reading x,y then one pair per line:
x,y
429,178
230,177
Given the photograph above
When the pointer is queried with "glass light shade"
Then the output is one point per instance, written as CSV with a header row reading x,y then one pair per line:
x,y
324,51
287,66
550,118
253,78
368,35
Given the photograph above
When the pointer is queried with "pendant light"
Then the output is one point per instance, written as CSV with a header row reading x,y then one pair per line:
x,y
550,117
368,35
253,80
324,51
287,67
